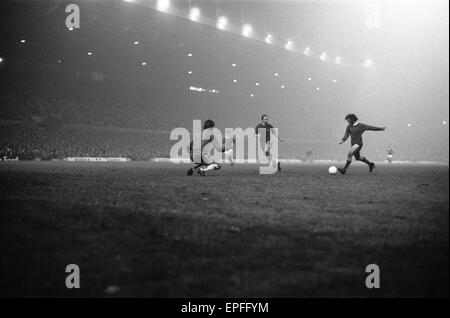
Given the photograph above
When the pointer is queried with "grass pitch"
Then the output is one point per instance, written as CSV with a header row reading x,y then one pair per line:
x,y
148,230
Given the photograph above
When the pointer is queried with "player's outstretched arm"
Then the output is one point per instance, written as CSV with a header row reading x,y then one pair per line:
x,y
374,128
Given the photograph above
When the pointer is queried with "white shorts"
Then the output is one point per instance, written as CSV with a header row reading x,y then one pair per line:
x,y
267,147
228,153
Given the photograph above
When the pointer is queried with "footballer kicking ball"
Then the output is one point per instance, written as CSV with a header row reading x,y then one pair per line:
x,y
332,170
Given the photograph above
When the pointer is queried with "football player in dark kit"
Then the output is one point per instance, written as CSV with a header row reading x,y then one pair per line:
x,y
355,129
265,141
207,143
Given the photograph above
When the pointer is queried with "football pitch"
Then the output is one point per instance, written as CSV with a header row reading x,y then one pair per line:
x,y
148,230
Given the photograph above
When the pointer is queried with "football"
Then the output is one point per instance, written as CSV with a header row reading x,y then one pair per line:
x,y
332,170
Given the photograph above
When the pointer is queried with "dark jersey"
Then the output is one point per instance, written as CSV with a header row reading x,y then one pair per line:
x,y
266,127
208,143
202,144
356,131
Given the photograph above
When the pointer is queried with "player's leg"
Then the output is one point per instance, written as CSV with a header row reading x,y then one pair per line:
x,y
210,167
192,154
229,156
190,171
354,149
272,160
358,157
362,159
198,165
204,168
267,147
276,162
207,165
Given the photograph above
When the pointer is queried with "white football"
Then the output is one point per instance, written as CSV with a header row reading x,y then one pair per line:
x,y
332,170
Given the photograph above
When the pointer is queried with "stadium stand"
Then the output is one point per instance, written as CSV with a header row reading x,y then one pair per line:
x,y
51,115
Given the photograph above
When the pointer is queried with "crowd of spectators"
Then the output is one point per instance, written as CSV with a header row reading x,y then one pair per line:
x,y
54,112
31,141
74,96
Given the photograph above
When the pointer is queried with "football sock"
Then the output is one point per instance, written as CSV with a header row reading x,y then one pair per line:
x,y
347,164
363,159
